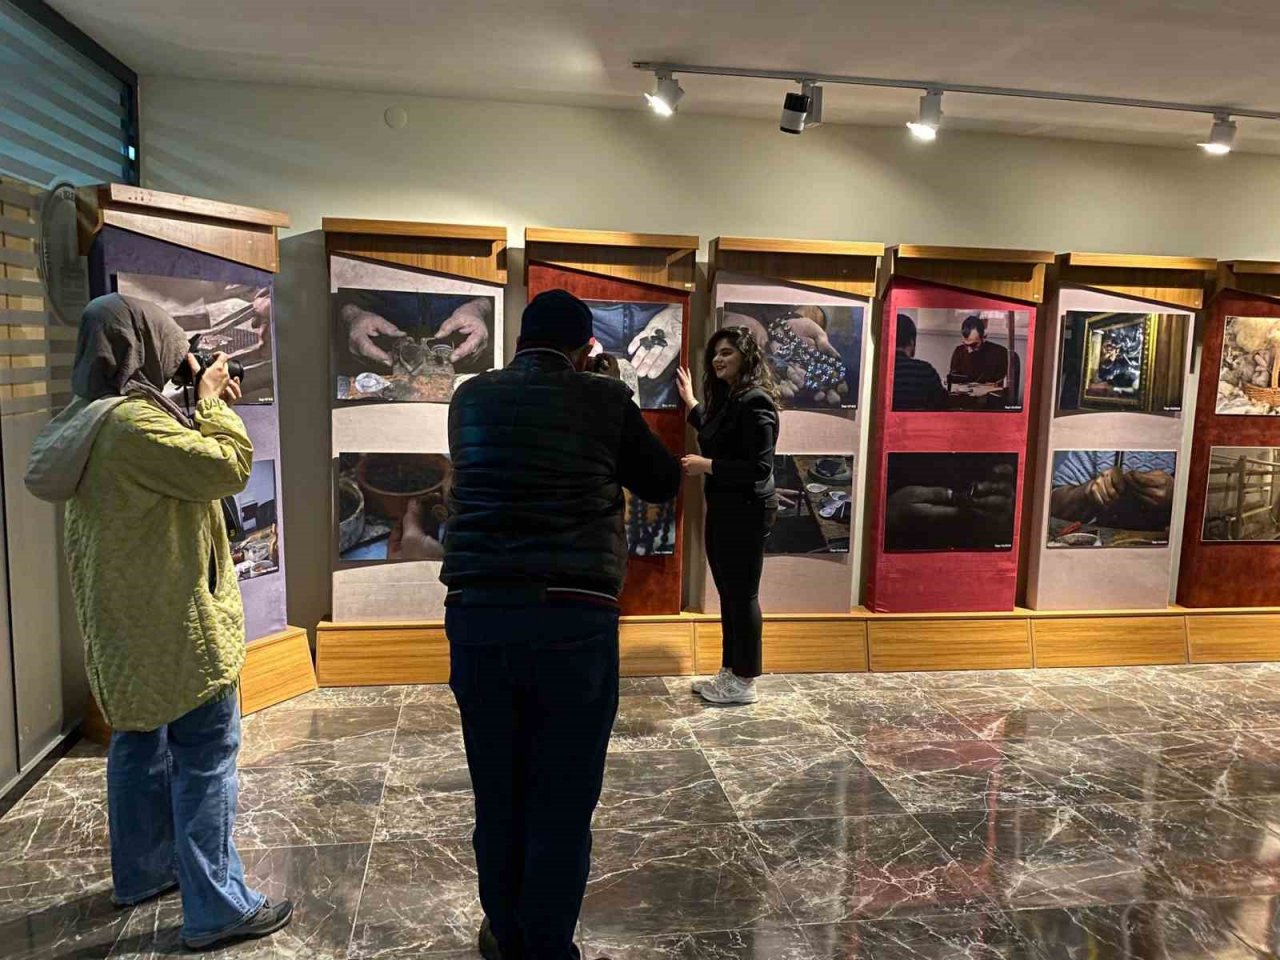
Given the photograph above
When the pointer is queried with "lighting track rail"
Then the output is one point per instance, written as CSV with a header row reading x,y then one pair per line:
x,y
932,88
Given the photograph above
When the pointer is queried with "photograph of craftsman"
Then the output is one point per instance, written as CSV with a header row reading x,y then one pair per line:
x,y
1100,494
979,366
950,501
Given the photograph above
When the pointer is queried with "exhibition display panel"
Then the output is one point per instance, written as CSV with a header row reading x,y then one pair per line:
x,y
1116,406
809,304
947,466
1231,543
638,287
211,266
414,309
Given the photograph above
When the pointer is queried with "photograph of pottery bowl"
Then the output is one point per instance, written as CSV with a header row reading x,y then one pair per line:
x,y
389,481
350,514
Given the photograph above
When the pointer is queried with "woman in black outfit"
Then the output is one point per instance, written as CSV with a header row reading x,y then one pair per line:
x,y
737,432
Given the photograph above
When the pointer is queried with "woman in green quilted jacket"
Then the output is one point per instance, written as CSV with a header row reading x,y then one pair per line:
x,y
159,605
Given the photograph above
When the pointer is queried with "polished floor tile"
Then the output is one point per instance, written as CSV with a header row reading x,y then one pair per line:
x,y
348,735
58,908
427,797
781,783
324,884
419,897
863,868
302,805
661,788
954,775
1100,770
1114,814
1039,857
966,936
647,883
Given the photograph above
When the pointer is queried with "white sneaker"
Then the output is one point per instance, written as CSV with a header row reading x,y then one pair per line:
x,y
731,689
700,685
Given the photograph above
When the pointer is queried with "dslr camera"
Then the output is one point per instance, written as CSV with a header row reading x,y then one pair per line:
x,y
600,362
185,378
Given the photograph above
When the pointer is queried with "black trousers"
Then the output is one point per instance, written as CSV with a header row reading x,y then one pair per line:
x,y
537,687
736,530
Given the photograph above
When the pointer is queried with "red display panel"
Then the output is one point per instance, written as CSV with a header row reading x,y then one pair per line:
x,y
1220,573
953,566
654,584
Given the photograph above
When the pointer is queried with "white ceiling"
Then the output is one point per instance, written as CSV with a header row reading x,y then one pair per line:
x,y
580,52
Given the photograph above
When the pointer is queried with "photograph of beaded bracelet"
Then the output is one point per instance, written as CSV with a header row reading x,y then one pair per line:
x,y
815,350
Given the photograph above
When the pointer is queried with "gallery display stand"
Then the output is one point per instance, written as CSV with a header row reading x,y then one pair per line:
x,y
409,269
1234,568
956,447
626,269
835,281
1112,416
129,230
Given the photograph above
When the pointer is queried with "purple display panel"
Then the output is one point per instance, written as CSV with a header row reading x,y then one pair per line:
x,y
118,251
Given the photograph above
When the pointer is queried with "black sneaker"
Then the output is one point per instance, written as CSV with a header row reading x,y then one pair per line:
x,y
269,918
488,943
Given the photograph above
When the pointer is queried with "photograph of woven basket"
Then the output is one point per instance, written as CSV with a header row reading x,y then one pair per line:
x,y
1271,394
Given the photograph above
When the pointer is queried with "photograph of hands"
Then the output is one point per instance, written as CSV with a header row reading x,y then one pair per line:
x,y
950,501
391,506
815,350
1111,498
412,347
646,339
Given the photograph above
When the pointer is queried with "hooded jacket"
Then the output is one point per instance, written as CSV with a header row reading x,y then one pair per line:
x,y
155,588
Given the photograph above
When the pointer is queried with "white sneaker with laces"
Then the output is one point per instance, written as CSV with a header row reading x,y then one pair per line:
x,y
700,685
730,690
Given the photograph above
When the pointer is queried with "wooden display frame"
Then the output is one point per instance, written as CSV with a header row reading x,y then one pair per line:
x,y
246,235
456,250
278,666
845,267
996,272
661,260
857,642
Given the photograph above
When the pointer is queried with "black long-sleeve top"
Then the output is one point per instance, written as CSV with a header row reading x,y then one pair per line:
x,y
739,438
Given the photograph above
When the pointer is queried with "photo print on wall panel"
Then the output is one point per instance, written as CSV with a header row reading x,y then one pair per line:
x,y
646,339
960,360
1243,500
1111,498
392,506
950,501
409,347
1122,361
815,504
257,552
230,318
1249,376
650,527
815,350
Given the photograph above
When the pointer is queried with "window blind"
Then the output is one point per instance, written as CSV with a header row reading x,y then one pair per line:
x,y
67,108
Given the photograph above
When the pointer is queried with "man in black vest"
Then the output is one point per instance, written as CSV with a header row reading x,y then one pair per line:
x,y
535,556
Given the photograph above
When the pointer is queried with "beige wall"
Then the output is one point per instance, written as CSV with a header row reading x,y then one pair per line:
x,y
316,153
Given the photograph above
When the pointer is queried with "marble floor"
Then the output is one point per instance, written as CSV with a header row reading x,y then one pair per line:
x,y
1091,814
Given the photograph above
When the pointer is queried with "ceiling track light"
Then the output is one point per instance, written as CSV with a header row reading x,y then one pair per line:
x,y
1222,136
925,126
667,93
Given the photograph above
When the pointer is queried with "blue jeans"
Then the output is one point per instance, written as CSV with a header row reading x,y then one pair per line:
x,y
171,799
537,687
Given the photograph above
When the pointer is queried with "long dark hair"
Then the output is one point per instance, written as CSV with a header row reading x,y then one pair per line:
x,y
754,372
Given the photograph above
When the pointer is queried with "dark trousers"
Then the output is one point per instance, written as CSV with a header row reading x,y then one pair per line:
x,y
537,687
736,530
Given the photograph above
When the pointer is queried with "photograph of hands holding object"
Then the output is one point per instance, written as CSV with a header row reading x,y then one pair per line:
x,y
1111,498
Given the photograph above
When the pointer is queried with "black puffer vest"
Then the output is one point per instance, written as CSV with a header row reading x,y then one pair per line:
x,y
535,496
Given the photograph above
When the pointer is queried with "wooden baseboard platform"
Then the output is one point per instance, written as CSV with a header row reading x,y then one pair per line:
x,y
276,668
352,654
